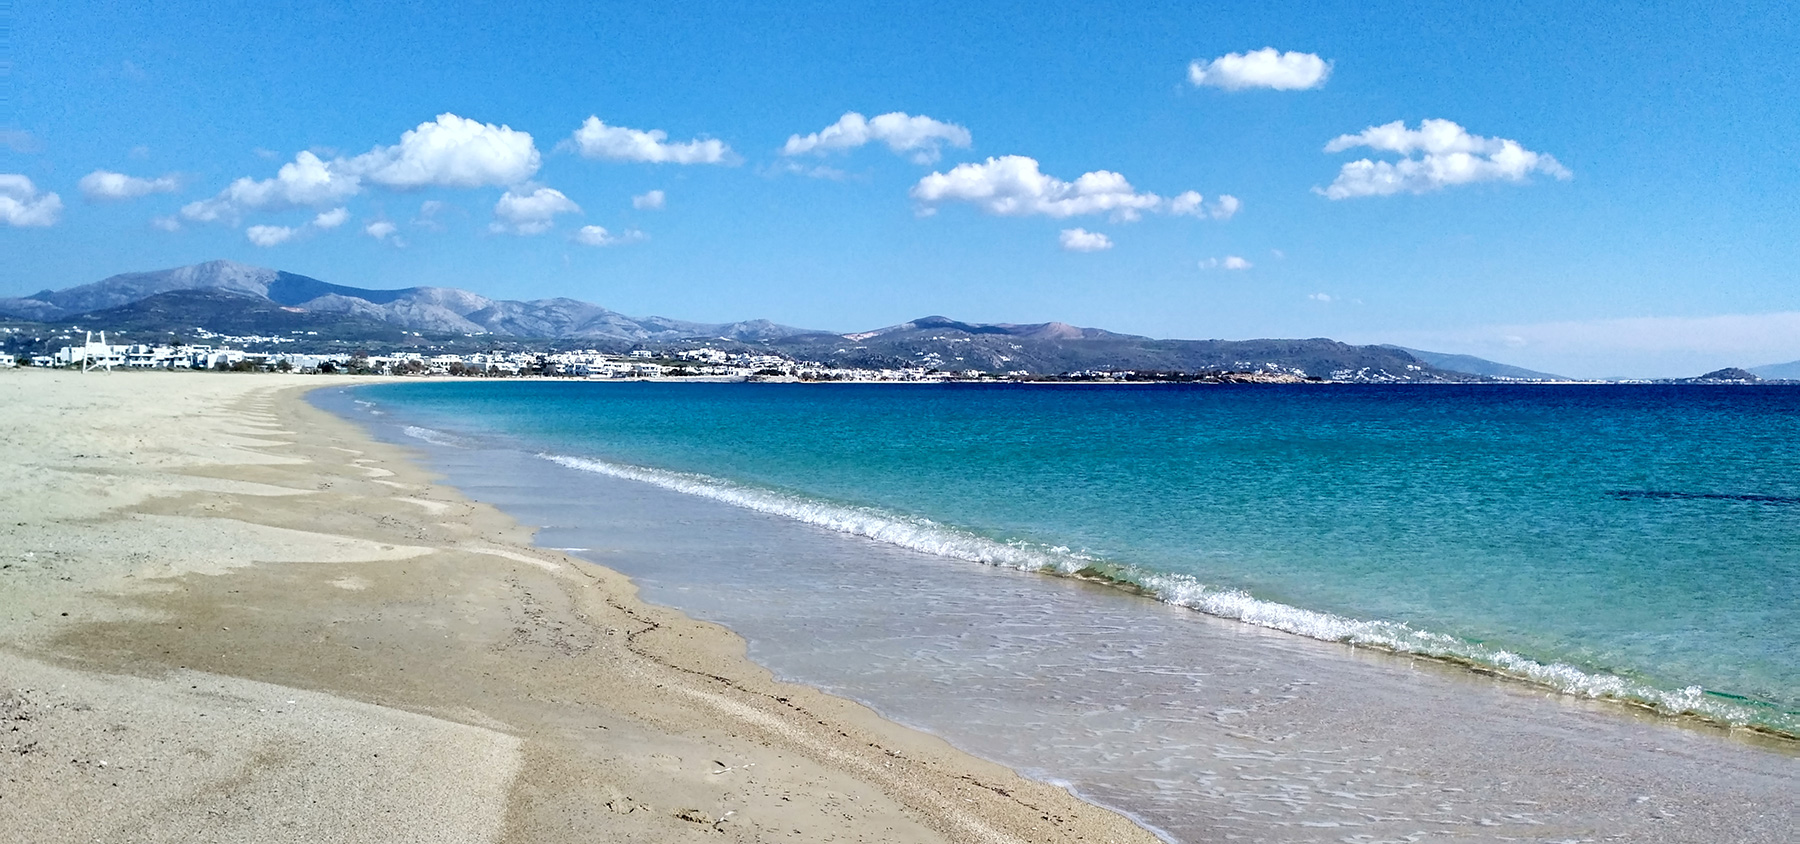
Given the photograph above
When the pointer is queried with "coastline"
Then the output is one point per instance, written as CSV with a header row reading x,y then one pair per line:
x,y
230,615
1464,751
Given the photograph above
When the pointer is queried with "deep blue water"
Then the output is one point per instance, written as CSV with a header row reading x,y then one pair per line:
x,y
1630,541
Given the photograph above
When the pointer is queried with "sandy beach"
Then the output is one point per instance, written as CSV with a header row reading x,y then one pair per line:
x,y
226,615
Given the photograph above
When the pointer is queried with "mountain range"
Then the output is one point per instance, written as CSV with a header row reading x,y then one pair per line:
x,y
224,297
435,309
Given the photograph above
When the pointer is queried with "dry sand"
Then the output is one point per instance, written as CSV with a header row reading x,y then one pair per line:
x,y
228,616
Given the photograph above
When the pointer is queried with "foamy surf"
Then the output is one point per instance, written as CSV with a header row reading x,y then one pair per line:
x,y
435,437
927,536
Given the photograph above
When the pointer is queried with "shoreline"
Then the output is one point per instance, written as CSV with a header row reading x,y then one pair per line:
x,y
224,597
1528,673
1517,723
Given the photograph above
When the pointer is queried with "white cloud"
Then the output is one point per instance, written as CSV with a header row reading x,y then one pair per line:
x,y
1263,68
652,200
451,151
107,185
1187,203
1229,262
386,232
595,139
1450,156
22,205
276,235
1192,204
1320,297
168,224
1082,240
903,133
270,235
1012,186
532,213
307,180
331,219
599,236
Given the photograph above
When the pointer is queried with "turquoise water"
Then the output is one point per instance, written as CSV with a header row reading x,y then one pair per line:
x,y
1636,542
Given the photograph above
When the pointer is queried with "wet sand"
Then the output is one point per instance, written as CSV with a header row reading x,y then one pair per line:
x,y
1205,728
226,615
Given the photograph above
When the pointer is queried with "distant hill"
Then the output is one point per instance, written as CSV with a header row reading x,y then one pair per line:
x,y
1779,371
1473,365
1049,348
437,309
235,299
1728,375
177,312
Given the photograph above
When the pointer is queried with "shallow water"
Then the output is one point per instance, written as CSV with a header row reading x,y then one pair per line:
x,y
1202,728
1633,542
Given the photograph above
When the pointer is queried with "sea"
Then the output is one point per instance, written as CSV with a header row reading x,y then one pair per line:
x,y
1262,612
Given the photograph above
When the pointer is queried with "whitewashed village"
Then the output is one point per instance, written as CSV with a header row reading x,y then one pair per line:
x,y
696,362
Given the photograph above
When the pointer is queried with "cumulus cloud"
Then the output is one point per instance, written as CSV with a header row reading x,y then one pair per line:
x,y
1082,240
107,185
1192,204
530,213
449,151
307,180
1263,68
595,139
651,201
276,235
22,205
167,224
599,236
331,219
918,137
380,229
270,235
1320,297
1013,186
1446,155
1229,262
453,152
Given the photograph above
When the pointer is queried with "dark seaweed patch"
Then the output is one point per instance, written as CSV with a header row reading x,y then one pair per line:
x,y
1670,495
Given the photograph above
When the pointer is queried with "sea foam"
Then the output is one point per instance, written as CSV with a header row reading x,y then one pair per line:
x,y
435,437
931,537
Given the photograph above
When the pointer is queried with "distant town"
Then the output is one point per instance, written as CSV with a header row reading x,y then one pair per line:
x,y
700,362
241,354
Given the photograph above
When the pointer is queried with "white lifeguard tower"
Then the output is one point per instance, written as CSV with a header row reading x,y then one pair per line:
x,y
98,355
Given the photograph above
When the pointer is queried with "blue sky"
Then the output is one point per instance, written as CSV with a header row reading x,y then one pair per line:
x,y
1650,228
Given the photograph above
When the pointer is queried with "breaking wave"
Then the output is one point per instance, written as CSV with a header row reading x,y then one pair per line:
x,y
435,437
922,534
